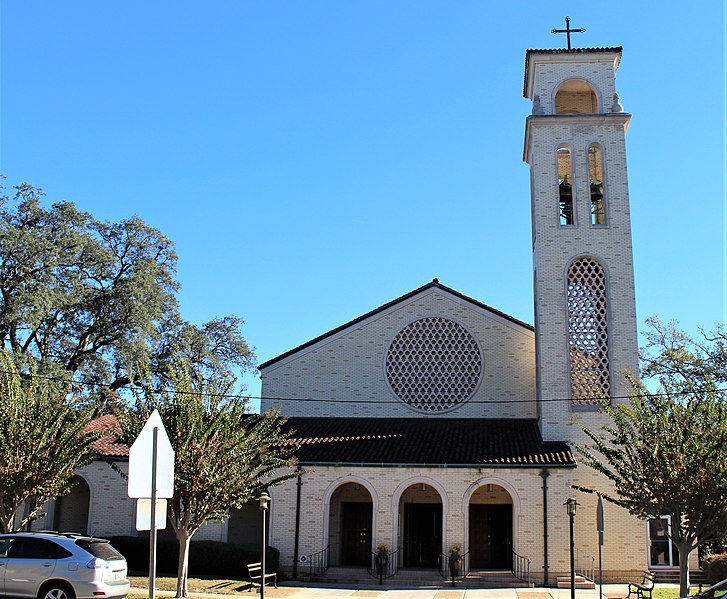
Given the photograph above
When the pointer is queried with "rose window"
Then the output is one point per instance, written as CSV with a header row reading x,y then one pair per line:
x,y
433,364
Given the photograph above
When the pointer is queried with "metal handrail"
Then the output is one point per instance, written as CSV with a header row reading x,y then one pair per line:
x,y
521,568
464,567
585,566
383,565
318,562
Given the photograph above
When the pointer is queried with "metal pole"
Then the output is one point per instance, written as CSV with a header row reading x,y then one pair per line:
x,y
544,474
600,527
153,528
299,484
262,561
572,560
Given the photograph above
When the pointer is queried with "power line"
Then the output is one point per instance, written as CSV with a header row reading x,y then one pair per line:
x,y
584,400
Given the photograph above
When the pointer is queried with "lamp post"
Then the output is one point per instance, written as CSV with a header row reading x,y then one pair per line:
x,y
570,506
264,504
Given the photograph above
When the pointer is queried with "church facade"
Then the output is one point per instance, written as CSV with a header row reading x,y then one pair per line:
x,y
436,420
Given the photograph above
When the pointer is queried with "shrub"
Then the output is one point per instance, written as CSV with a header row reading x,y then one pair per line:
x,y
206,558
715,567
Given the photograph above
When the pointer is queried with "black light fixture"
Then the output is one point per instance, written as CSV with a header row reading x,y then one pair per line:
x,y
570,507
264,500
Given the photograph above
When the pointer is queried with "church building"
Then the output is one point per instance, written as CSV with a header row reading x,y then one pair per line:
x,y
436,420
436,424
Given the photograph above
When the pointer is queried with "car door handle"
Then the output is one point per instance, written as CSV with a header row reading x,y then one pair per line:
x,y
47,564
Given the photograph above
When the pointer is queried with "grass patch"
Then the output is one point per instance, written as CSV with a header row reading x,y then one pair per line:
x,y
224,586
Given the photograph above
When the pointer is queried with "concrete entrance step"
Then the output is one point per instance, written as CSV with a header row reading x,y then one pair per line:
x,y
423,578
581,583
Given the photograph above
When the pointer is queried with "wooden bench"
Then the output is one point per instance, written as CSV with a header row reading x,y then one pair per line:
x,y
641,589
255,572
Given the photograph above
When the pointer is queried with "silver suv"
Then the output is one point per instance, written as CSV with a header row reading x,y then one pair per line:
x,y
45,565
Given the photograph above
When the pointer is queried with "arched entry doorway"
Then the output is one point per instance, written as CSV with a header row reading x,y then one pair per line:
x,y
490,528
350,525
420,515
71,510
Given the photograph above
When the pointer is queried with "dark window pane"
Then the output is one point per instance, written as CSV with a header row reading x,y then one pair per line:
x,y
100,549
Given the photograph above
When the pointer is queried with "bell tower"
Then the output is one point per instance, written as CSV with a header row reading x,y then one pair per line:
x,y
585,312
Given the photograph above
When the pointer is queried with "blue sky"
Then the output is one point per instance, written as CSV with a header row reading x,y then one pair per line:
x,y
314,160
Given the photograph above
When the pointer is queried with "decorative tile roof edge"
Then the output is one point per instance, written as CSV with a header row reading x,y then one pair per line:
x,y
415,465
529,51
433,284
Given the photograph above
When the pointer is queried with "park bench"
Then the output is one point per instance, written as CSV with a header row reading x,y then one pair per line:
x,y
255,572
641,589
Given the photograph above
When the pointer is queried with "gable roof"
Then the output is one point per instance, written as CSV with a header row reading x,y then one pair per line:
x,y
434,284
450,442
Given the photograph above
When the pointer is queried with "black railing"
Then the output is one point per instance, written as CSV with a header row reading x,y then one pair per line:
x,y
585,566
384,565
521,568
453,569
318,562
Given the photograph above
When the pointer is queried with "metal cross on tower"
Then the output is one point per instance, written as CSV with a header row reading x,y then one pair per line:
x,y
568,31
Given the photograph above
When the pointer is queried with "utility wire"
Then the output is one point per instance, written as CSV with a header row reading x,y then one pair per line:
x,y
584,400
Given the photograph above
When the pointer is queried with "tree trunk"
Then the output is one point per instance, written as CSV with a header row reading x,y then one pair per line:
x,y
684,550
183,564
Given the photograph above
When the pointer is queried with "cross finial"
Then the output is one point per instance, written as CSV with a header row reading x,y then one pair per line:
x,y
568,31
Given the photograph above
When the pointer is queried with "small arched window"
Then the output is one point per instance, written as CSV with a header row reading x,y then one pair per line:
x,y
595,181
588,331
565,186
576,96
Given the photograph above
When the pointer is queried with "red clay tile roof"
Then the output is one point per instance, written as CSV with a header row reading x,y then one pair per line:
x,y
426,441
108,445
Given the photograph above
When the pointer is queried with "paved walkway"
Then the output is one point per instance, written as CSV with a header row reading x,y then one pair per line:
x,y
610,591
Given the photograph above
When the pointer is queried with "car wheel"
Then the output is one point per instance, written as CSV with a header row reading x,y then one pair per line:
x,y
56,590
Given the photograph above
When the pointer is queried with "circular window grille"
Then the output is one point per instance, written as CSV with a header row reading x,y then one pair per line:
x,y
433,364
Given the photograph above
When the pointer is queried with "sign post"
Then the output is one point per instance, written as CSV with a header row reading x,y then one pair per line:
x,y
599,526
151,479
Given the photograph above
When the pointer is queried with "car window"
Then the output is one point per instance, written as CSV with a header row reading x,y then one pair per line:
x,y
719,593
100,549
5,544
31,548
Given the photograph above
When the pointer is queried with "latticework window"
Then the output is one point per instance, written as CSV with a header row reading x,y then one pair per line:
x,y
433,364
588,331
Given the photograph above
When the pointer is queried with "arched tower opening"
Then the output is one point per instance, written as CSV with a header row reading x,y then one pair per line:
x,y
588,331
576,96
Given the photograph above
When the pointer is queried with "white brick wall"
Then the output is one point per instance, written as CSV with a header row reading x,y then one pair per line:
x,y
624,553
349,366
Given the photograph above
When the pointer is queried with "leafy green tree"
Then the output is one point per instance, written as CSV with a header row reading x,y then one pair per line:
x,y
224,455
43,439
666,451
91,298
